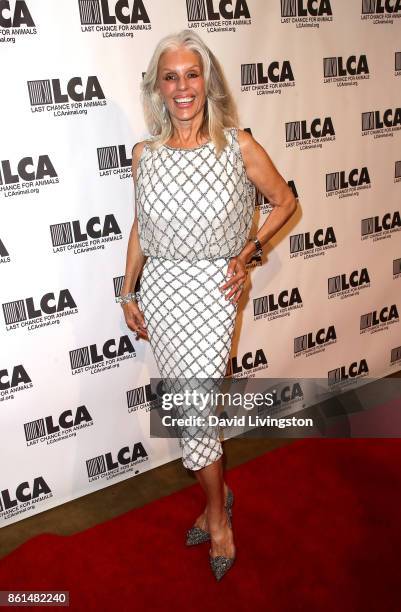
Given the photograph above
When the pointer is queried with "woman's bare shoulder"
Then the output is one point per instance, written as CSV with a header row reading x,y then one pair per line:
x,y
246,140
137,151
251,149
138,148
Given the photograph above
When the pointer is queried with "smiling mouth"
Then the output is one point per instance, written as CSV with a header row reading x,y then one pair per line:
x,y
184,101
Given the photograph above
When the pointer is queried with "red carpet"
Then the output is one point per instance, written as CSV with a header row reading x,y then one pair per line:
x,y
317,526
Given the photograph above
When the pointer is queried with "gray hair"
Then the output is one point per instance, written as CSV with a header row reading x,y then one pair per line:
x,y
220,111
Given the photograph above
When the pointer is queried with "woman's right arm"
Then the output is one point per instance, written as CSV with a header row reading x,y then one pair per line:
x,y
135,260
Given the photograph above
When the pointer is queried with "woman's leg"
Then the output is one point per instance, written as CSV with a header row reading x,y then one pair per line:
x,y
201,521
190,327
215,518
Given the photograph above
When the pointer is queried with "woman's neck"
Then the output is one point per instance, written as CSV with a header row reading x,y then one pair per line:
x,y
186,133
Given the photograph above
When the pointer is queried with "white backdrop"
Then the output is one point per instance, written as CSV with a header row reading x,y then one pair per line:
x,y
318,84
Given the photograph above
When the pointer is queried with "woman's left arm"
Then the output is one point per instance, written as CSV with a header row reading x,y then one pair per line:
x,y
264,175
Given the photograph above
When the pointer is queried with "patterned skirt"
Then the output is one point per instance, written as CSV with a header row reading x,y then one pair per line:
x,y
190,327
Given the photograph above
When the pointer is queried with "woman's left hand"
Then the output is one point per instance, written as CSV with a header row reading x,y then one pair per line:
x,y
237,275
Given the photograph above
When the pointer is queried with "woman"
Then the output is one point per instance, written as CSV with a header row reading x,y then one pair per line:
x,y
195,196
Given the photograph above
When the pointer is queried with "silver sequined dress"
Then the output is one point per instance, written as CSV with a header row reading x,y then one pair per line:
x,y
194,212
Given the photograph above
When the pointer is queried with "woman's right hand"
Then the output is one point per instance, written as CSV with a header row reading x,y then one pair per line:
x,y
134,319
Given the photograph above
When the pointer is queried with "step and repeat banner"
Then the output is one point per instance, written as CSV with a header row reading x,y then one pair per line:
x,y
317,82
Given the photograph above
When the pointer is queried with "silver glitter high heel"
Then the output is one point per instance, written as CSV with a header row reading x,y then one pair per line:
x,y
221,564
197,535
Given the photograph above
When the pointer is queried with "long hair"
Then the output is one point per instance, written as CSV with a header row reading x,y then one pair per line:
x,y
219,112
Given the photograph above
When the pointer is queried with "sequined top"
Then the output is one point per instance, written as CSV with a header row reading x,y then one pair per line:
x,y
191,204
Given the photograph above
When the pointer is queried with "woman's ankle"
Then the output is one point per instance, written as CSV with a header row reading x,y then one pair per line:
x,y
217,520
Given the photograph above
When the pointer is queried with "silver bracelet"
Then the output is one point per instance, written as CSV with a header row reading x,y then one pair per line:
x,y
259,251
125,299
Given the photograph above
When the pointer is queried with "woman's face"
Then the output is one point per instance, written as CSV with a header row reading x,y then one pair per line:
x,y
181,83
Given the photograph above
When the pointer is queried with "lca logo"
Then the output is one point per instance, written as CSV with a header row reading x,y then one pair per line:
x,y
49,91
114,160
72,97
260,77
215,10
306,13
347,183
13,380
27,175
97,359
96,12
381,227
111,462
345,71
312,244
309,134
381,123
15,15
346,374
26,170
379,319
242,366
24,494
303,8
347,285
142,397
218,15
338,66
381,8
15,21
276,305
81,237
14,377
33,313
50,429
312,342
